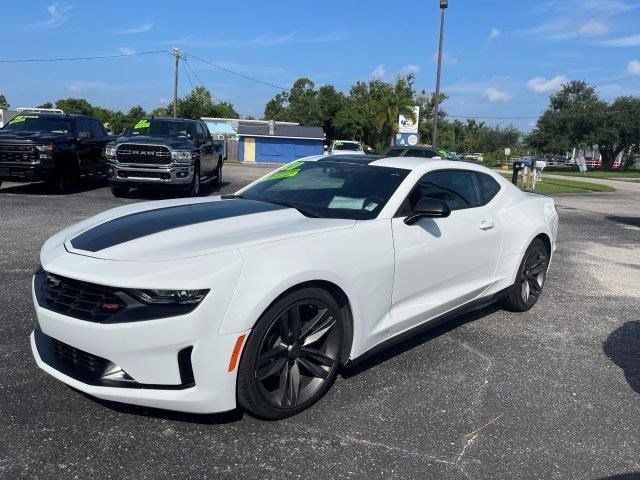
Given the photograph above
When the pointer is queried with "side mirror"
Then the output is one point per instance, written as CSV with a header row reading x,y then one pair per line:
x,y
84,135
428,208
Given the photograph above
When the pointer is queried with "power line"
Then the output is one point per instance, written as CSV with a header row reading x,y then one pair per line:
x,y
184,67
239,74
201,82
73,59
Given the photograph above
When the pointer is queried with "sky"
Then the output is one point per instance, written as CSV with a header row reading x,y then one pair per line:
x,y
502,58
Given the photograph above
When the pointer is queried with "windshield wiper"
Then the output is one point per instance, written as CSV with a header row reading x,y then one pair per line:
x,y
302,210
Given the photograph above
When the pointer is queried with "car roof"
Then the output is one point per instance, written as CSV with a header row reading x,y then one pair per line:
x,y
171,119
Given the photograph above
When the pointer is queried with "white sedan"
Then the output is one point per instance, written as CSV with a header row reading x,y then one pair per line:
x,y
260,297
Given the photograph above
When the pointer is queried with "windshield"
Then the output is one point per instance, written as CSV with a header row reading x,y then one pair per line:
x,y
164,128
329,189
352,146
36,123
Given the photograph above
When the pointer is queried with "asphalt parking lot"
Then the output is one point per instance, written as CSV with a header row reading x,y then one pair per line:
x,y
553,393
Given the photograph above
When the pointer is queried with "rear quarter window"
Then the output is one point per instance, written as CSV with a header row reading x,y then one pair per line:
x,y
489,187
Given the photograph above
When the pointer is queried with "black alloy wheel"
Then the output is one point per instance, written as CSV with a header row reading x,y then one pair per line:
x,y
293,355
218,180
194,189
531,278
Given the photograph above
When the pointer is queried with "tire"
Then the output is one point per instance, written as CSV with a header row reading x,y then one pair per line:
x,y
194,189
60,183
120,192
530,279
217,182
288,364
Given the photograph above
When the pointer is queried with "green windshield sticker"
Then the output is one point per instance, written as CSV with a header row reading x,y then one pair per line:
x,y
22,118
288,171
142,124
443,153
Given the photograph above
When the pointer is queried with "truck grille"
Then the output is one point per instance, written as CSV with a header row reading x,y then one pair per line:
x,y
77,299
18,153
143,154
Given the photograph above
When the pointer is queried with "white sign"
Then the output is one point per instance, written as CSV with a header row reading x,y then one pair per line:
x,y
507,152
407,125
412,140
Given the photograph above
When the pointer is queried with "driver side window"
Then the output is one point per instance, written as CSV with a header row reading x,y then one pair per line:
x,y
458,188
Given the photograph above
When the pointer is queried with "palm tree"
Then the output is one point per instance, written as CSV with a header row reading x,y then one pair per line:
x,y
391,101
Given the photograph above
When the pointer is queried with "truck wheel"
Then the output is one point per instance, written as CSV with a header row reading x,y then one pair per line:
x,y
120,192
217,182
60,183
194,190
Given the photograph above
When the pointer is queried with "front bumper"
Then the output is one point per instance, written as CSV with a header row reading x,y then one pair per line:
x,y
149,352
176,175
26,172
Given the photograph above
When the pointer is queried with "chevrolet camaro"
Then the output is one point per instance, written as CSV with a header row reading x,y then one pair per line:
x,y
257,299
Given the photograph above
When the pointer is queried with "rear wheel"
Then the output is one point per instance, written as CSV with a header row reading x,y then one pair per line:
x,y
292,356
218,180
530,279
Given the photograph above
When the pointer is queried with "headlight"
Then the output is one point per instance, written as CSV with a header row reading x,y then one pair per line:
x,y
181,156
45,148
110,151
169,297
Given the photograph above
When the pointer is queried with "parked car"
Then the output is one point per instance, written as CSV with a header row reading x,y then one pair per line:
x,y
164,153
257,299
474,157
422,152
345,147
54,147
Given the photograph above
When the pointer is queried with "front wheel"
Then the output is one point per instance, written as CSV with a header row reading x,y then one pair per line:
x,y
530,279
194,189
292,356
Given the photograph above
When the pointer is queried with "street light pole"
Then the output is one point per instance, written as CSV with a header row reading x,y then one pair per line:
x,y
434,141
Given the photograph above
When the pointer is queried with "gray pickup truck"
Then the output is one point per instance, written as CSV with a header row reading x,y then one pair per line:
x,y
164,153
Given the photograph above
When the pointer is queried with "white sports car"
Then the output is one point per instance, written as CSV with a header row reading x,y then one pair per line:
x,y
260,297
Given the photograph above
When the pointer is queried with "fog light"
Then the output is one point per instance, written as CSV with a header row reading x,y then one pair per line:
x,y
114,373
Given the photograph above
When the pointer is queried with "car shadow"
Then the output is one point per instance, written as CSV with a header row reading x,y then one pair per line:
x,y
44,188
422,335
200,418
633,221
622,347
623,476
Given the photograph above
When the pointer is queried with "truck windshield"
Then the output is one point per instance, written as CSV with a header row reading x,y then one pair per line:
x,y
352,146
164,128
37,123
329,189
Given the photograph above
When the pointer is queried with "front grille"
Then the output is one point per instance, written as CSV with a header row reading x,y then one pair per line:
x,y
18,153
90,364
143,154
77,299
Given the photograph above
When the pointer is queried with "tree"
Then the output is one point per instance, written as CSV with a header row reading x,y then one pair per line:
x,y
3,102
391,101
77,106
46,105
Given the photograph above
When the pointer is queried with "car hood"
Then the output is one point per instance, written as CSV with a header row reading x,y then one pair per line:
x,y
171,230
172,142
35,137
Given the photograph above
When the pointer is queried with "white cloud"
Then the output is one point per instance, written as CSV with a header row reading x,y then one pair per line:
x,y
495,33
145,27
256,42
633,68
631,41
593,28
542,85
58,15
127,51
378,72
409,70
496,96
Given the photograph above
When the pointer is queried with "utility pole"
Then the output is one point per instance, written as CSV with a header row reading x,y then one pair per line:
x,y
434,141
175,53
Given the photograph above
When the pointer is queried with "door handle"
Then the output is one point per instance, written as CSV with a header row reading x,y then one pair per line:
x,y
486,225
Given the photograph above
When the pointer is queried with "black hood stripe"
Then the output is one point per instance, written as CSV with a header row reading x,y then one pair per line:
x,y
142,224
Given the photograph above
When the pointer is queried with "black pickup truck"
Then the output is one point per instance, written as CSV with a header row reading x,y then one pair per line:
x,y
57,148
164,153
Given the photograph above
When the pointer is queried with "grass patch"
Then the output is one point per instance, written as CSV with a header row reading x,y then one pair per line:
x,y
554,186
605,174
